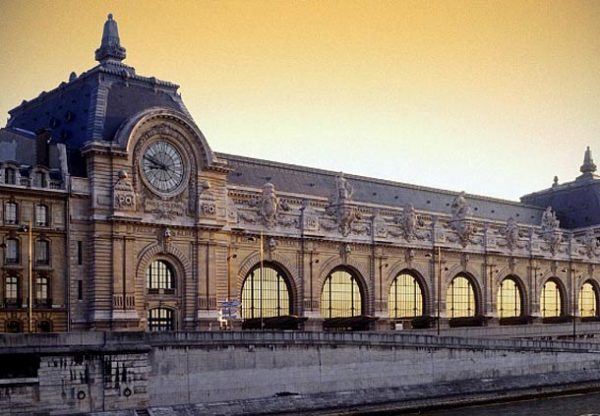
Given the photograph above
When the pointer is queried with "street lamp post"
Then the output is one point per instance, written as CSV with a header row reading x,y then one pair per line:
x,y
29,229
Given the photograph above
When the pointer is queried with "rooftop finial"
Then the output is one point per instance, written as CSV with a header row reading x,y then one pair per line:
x,y
588,163
110,48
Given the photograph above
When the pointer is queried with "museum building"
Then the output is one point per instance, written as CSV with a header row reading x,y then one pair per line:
x,y
115,214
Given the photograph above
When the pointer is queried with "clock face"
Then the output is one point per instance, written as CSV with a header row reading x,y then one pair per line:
x,y
163,166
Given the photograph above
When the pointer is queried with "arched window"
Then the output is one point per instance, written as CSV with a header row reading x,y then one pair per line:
x,y
10,213
10,176
45,326
12,251
265,294
11,290
41,215
41,290
588,301
161,319
160,277
14,326
405,298
42,252
551,301
341,295
509,299
460,298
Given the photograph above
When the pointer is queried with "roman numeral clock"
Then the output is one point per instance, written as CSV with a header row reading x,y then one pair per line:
x,y
163,167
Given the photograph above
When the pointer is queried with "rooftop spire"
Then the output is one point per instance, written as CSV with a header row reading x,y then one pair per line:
x,y
588,163
110,49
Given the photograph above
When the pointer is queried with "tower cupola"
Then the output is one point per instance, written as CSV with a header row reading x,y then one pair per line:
x,y
110,49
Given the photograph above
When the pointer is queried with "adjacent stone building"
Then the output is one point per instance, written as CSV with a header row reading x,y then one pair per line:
x,y
136,224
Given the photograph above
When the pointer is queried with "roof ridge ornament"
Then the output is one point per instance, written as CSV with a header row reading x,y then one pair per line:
x,y
588,163
110,49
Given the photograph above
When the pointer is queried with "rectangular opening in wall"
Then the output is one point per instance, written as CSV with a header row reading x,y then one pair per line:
x,y
79,252
19,366
79,290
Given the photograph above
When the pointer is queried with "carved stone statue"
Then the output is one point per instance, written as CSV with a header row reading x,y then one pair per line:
x,y
511,233
549,221
460,207
343,189
269,204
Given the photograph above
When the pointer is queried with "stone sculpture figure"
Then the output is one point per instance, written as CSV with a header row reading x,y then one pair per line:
x,y
269,204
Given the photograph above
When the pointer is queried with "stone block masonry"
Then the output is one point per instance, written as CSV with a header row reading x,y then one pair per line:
x,y
112,372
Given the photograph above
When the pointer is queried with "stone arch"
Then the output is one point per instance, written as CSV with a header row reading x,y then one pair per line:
x,y
129,131
596,289
520,285
471,275
418,272
282,262
562,290
170,250
360,270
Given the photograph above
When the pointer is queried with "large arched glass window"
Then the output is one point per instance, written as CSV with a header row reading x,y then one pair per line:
x,y
341,296
265,294
588,301
405,299
160,277
460,298
551,301
161,319
509,299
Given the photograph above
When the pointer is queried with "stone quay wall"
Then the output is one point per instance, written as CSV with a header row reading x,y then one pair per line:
x,y
95,372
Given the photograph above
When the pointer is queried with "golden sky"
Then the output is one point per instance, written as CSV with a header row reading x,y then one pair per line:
x,y
490,97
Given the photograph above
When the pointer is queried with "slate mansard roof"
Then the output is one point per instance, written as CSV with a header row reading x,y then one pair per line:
x,y
93,105
254,173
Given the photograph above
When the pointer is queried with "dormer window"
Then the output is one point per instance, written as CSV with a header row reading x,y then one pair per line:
x,y
10,176
40,179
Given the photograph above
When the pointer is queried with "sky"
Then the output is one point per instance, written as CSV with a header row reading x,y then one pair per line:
x,y
488,97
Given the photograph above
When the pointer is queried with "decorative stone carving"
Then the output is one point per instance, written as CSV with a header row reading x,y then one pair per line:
x,y
206,201
124,196
380,229
409,223
464,228
268,205
590,243
340,208
310,220
550,231
269,209
460,207
512,235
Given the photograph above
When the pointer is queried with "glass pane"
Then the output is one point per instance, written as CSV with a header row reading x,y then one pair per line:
x,y
509,299
265,294
341,296
587,300
460,298
161,319
159,275
551,300
405,298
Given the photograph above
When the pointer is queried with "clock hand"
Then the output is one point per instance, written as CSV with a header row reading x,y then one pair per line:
x,y
153,160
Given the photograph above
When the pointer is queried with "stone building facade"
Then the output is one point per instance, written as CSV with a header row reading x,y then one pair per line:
x,y
146,228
